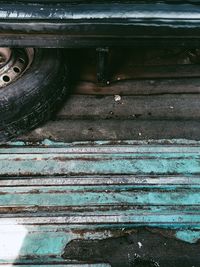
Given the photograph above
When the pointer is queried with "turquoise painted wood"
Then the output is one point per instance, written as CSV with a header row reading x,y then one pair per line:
x,y
97,161
53,193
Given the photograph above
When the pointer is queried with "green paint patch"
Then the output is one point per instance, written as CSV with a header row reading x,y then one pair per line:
x,y
190,236
164,191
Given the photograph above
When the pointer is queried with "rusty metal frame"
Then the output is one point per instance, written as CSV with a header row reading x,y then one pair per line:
x,y
99,24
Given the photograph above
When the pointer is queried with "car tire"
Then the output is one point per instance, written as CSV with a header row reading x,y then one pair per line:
x,y
32,98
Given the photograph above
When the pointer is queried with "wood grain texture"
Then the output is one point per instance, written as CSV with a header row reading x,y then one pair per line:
x,y
177,106
57,199
125,203
85,118
89,130
140,87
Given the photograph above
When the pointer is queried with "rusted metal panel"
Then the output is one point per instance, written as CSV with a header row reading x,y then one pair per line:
x,y
90,130
92,23
57,199
158,159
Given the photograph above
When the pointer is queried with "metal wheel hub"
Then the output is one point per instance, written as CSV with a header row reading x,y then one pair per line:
x,y
13,64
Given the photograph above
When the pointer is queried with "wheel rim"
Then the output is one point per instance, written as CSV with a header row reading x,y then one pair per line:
x,y
14,63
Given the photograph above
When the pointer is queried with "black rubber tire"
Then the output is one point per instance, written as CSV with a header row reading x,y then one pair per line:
x,y
31,100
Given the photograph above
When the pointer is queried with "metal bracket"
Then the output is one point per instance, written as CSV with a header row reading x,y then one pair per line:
x,y
102,65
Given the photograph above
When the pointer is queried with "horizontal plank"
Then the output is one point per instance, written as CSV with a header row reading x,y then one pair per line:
x,y
140,87
130,71
100,147
157,192
100,221
160,193
92,130
112,162
42,217
137,180
99,196
159,71
181,215
182,106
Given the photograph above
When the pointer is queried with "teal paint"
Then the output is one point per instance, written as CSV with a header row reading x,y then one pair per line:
x,y
49,142
44,243
72,198
63,164
189,236
158,186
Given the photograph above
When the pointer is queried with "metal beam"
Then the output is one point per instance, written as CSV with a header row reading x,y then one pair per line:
x,y
97,24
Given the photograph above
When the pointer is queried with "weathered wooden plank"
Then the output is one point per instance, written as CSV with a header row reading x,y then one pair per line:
x,y
163,188
49,147
138,180
180,106
140,87
89,130
104,221
94,161
98,196
130,71
89,192
156,71
44,207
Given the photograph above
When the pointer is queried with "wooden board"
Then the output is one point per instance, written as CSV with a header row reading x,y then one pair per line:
x,y
140,87
87,130
151,94
168,106
65,204
113,202
132,117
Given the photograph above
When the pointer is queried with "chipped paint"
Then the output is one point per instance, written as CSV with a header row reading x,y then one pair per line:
x,y
100,160
95,191
190,236
51,143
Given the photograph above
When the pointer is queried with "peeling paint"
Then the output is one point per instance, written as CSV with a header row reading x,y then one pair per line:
x,y
190,236
51,143
115,190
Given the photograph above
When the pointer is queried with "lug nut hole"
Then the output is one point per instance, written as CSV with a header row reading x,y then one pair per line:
x,y
16,69
6,78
